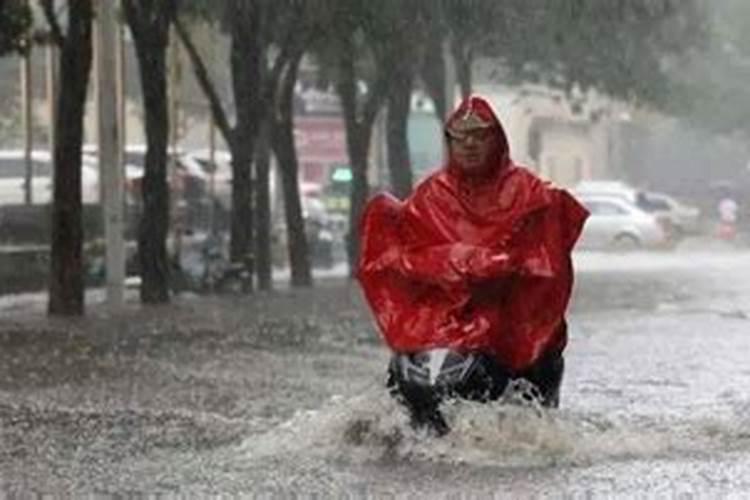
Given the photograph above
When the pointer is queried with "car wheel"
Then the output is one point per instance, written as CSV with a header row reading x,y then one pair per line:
x,y
626,243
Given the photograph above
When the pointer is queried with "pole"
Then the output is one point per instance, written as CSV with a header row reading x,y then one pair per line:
x,y
51,74
108,135
26,98
121,93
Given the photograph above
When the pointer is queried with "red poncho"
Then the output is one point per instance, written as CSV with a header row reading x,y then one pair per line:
x,y
474,263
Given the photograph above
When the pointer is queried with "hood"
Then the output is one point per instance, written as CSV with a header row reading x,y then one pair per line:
x,y
477,112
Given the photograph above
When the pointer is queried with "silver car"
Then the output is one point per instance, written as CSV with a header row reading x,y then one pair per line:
x,y
617,224
13,171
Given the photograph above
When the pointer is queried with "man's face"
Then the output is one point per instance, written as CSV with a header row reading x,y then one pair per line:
x,y
472,149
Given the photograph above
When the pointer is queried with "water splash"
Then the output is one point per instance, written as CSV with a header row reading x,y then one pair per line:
x,y
372,427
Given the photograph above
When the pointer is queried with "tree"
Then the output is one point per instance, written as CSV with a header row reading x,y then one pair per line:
x,y
66,286
348,61
15,26
621,49
713,92
246,22
282,141
15,37
285,29
398,35
149,22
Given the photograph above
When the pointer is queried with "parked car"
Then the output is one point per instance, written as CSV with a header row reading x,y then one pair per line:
x,y
677,218
13,175
618,224
218,172
682,219
186,177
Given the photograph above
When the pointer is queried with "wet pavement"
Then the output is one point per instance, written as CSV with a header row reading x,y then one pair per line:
x,y
281,395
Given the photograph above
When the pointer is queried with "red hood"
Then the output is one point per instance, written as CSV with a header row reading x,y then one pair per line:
x,y
481,108
472,263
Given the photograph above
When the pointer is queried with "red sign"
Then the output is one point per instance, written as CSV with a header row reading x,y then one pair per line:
x,y
320,143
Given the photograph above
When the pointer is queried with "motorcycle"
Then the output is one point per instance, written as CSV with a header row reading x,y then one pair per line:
x,y
205,268
423,381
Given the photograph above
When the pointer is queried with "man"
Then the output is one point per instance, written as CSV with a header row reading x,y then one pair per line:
x,y
476,261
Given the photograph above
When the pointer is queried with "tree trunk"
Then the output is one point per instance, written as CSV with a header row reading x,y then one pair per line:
x,y
151,36
66,287
464,59
246,61
241,224
359,152
263,209
358,131
283,145
399,106
433,73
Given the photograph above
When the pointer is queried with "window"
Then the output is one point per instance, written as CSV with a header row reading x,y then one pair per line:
x,y
137,159
651,203
604,208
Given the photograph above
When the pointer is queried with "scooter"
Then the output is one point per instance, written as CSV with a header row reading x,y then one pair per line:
x,y
423,381
205,268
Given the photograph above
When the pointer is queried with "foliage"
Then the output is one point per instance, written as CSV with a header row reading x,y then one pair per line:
x,y
623,49
713,86
15,24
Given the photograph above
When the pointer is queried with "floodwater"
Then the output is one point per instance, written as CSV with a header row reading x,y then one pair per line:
x,y
283,397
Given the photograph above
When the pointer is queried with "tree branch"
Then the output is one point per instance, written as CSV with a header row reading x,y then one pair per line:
x,y
204,80
56,34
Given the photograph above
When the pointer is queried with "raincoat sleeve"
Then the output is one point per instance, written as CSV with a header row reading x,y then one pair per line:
x,y
452,264
383,249
446,265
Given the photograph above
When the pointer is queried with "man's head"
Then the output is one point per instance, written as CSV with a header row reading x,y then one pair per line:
x,y
474,136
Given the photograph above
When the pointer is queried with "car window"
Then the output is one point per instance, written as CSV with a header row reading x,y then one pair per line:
x,y
651,203
604,208
206,165
12,167
16,168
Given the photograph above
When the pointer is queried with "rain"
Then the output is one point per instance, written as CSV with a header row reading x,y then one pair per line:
x,y
183,185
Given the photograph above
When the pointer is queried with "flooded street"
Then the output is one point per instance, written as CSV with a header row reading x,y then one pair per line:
x,y
283,394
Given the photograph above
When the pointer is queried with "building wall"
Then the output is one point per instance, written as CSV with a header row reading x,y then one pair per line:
x,y
574,141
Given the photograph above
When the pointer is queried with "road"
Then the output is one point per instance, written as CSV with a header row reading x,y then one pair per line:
x,y
282,395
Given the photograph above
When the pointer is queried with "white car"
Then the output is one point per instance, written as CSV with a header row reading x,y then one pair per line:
x,y
13,175
617,224
682,219
678,218
134,158
219,172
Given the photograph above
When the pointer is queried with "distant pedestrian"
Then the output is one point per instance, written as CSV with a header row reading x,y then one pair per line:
x,y
727,209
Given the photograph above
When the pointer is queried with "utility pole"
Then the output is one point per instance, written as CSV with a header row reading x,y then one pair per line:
x,y
52,77
121,76
109,165
51,74
28,135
